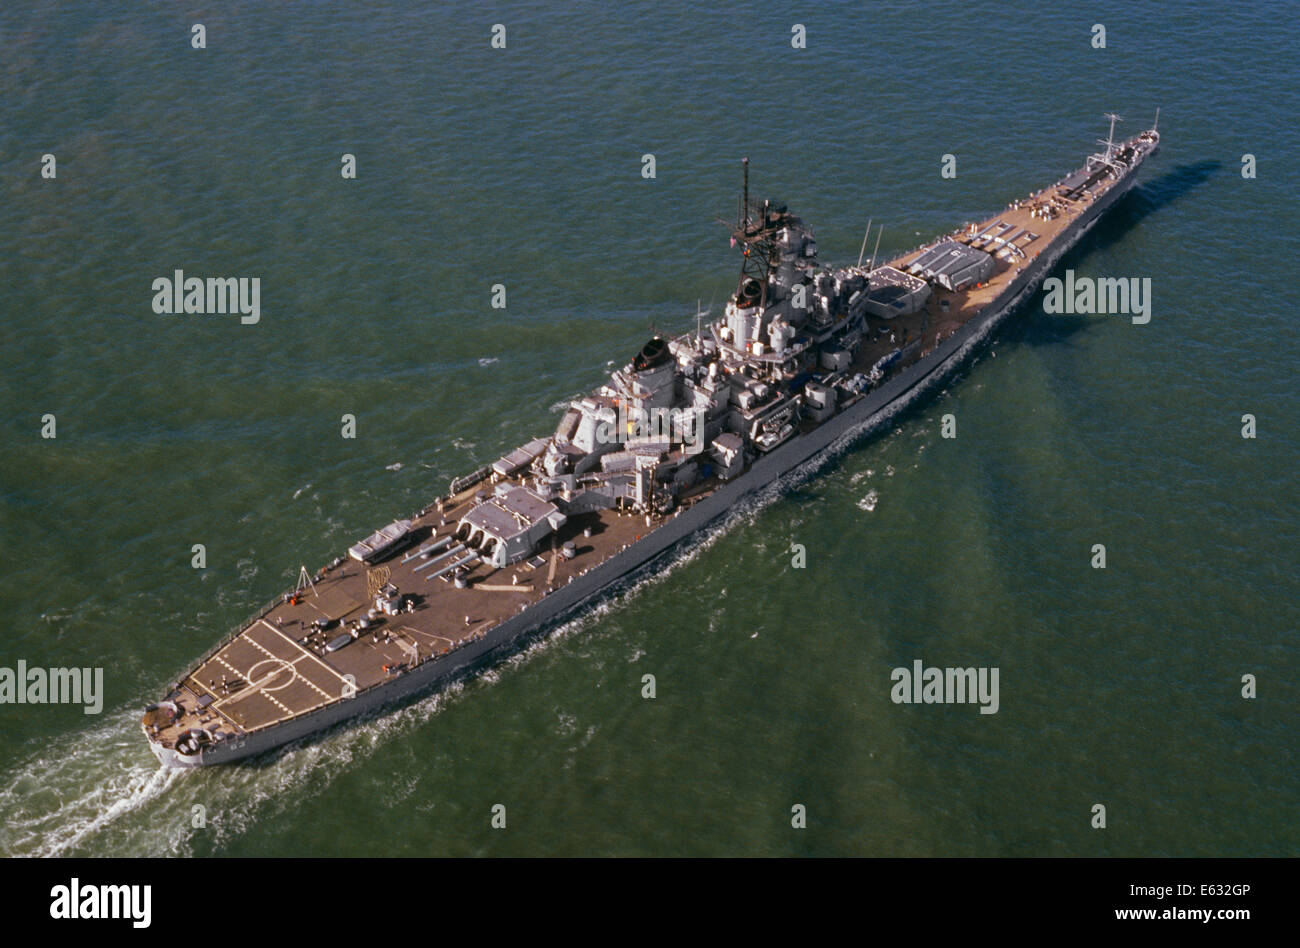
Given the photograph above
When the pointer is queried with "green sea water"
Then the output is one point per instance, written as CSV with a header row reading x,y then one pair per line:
x,y
523,166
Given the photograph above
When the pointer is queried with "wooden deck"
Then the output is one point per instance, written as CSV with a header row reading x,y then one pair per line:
x,y
278,668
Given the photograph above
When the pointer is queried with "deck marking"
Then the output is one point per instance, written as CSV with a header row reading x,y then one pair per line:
x,y
216,702
253,687
347,684
238,674
290,665
283,666
216,698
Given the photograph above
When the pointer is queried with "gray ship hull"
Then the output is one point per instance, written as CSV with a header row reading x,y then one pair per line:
x,y
863,418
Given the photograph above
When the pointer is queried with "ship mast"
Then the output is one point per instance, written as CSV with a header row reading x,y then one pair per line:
x,y
1110,139
756,231
1109,142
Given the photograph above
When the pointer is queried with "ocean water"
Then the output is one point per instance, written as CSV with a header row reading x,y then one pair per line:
x,y
522,166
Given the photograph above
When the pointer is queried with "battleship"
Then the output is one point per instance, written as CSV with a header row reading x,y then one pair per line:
x,y
804,357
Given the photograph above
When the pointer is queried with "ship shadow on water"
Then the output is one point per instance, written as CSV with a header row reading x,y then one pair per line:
x,y
1141,202
1132,209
